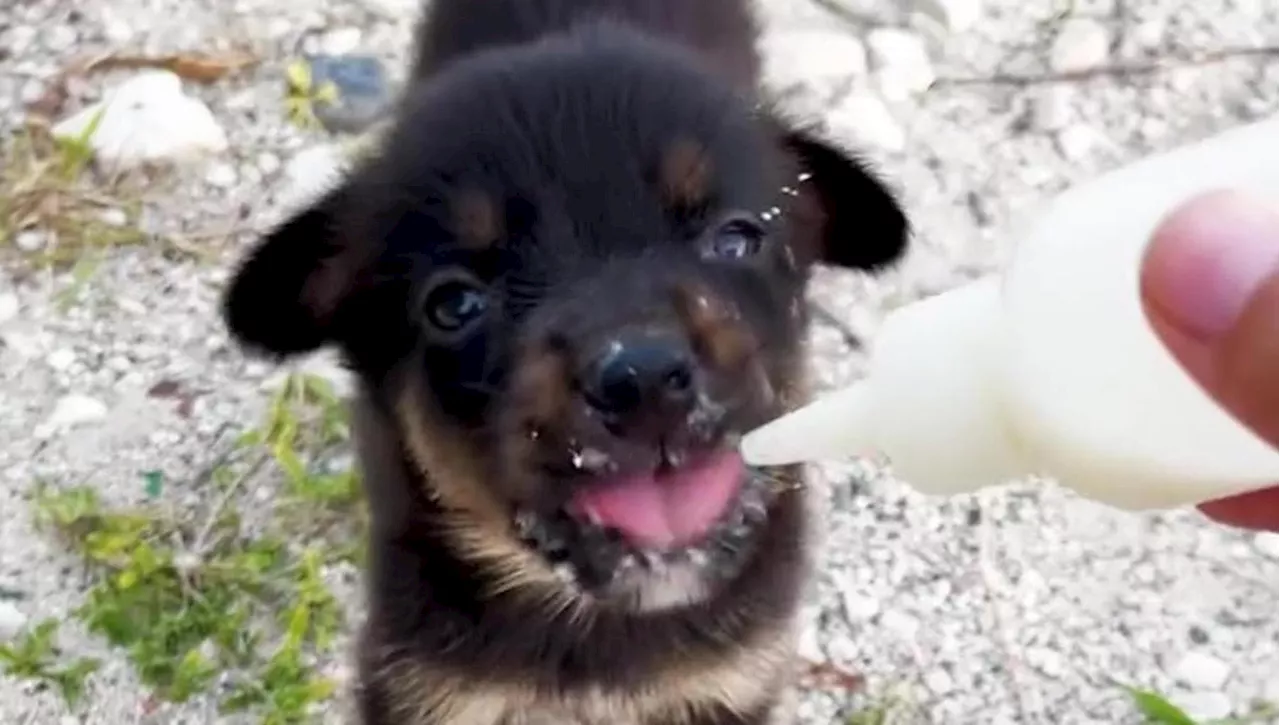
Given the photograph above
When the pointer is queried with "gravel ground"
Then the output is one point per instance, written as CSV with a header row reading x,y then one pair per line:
x,y
1015,605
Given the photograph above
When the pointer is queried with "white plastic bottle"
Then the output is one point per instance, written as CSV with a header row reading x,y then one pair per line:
x,y
1051,368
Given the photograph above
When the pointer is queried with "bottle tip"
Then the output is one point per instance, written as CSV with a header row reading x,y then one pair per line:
x,y
823,430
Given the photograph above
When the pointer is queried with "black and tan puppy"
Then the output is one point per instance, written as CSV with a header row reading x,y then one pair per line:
x,y
571,277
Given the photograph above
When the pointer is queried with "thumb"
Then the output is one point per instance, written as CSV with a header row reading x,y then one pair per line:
x,y
1209,287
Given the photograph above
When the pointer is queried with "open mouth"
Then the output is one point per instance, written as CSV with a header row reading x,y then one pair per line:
x,y
701,515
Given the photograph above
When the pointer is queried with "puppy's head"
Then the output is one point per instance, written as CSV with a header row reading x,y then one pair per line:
x,y
576,270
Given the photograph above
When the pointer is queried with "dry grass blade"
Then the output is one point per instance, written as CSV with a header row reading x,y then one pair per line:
x,y
198,67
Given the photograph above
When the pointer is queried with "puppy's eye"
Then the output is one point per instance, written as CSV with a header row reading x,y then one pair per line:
x,y
453,304
737,238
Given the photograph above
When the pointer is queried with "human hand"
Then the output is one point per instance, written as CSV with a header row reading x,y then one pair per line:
x,y
1209,288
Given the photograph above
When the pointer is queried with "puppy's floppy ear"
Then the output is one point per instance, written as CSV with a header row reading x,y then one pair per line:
x,y
843,215
288,291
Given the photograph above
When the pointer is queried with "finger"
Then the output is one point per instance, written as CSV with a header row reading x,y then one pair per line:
x,y
1209,285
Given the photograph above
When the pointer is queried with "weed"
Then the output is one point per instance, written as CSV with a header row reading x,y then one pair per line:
x,y
203,602
44,189
1156,710
35,657
303,93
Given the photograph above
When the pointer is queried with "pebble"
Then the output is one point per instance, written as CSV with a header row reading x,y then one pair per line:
x,y
114,217
1201,671
8,306
1053,106
61,359
1203,706
867,121
859,608
11,620
1082,44
939,682
901,62
902,625
1267,544
1075,142
340,41
31,240
821,63
147,119
72,410
222,175
363,91
954,15
60,38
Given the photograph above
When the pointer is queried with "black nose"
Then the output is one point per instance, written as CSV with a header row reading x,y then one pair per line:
x,y
642,380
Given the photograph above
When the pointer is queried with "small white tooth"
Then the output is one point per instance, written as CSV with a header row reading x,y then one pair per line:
x,y
698,557
576,460
594,459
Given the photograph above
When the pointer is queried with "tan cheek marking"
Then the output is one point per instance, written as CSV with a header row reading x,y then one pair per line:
x,y
476,221
715,328
541,385
686,174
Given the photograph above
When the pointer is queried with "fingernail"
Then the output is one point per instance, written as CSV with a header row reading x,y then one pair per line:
x,y
1208,258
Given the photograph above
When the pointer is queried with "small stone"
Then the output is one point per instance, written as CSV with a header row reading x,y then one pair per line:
x,y
8,306
392,8
954,15
810,644
19,40
819,62
1203,706
114,217
858,608
60,38
268,163
939,682
1075,142
903,625
866,120
1052,106
901,62
61,359
11,620
31,240
1267,544
1201,671
340,41
221,175
1046,661
148,119
1082,44
363,91
72,410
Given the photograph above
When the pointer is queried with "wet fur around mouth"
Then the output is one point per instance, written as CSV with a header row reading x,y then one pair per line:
x,y
578,259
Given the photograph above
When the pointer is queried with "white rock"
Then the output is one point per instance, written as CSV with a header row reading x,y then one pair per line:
x,y
148,119
1081,44
222,175
901,62
820,62
1075,142
938,682
865,119
61,359
1046,661
858,608
392,8
310,174
954,15
1052,106
11,620
902,625
72,410
1201,671
1267,543
340,41
268,163
60,38
1203,706
8,306
31,240
114,217
810,644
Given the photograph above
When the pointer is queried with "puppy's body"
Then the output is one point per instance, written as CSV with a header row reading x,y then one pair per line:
x,y
572,277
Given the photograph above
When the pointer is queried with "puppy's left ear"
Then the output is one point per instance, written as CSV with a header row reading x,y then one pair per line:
x,y
843,215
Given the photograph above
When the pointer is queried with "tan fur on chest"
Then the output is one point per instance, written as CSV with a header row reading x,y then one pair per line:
x,y
425,695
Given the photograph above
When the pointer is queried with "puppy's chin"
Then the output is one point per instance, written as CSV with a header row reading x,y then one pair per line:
x,y
654,540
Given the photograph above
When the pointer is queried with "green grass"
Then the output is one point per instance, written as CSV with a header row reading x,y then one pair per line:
x,y
1156,710
34,656
201,600
46,187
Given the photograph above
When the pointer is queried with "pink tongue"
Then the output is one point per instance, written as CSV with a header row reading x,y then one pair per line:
x,y
670,509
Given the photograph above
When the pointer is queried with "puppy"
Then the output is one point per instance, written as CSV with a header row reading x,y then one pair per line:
x,y
570,279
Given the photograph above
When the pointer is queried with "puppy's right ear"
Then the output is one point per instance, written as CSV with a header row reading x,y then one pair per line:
x,y
286,294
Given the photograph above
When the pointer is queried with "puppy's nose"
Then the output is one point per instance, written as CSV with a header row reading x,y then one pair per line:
x,y
645,381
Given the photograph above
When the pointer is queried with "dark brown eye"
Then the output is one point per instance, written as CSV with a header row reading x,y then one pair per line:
x,y
452,305
735,239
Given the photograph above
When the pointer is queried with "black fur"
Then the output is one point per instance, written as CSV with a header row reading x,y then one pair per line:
x,y
559,115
